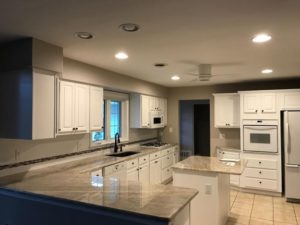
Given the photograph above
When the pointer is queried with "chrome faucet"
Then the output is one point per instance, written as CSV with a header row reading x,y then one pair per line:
x,y
117,142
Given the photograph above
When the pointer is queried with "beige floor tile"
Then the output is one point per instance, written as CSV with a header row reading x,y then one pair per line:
x,y
241,211
260,222
263,198
284,210
263,205
297,212
238,219
282,223
245,195
285,217
261,213
296,206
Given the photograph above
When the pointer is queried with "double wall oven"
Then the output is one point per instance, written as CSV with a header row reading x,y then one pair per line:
x,y
260,136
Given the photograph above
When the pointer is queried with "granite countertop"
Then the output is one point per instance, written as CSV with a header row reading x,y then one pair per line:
x,y
210,164
74,182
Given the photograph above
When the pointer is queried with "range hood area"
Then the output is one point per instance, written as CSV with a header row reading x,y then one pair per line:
x,y
27,88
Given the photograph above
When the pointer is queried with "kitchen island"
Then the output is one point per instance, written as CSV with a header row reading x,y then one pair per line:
x,y
69,194
210,177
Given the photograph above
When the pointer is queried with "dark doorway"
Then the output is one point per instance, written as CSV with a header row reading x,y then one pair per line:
x,y
194,127
201,130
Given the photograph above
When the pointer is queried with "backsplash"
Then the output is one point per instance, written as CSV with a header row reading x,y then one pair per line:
x,y
14,151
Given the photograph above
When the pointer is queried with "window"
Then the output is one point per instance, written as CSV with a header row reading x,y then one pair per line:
x,y
115,119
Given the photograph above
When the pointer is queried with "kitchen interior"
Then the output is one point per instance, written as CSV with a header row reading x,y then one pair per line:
x,y
150,112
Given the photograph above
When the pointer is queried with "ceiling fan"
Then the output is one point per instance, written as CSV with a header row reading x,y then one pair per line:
x,y
205,74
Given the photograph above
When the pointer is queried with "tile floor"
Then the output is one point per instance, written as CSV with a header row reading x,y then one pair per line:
x,y
252,209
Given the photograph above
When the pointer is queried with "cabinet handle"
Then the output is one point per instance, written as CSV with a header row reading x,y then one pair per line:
x,y
144,159
59,129
74,128
260,182
262,111
259,172
256,110
259,162
132,163
156,161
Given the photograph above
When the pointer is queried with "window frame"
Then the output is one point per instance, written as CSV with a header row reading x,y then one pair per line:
x,y
124,134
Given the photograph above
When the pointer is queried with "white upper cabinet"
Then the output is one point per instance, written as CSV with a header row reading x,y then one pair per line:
x,y
142,107
227,110
144,111
259,105
73,108
96,108
290,100
66,104
165,110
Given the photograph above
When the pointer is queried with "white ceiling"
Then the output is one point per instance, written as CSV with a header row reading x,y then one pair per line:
x,y
179,33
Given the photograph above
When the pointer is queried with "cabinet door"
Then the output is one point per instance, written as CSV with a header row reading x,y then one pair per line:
x,y
96,108
66,107
227,112
133,174
290,100
152,103
165,111
251,103
81,108
155,172
43,91
268,103
144,174
145,112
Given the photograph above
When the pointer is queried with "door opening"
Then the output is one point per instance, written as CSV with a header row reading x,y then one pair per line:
x,y
194,127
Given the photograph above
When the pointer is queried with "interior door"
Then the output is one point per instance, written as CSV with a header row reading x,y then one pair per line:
x,y
292,141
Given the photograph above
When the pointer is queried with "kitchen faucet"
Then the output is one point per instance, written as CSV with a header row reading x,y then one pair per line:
x,y
117,141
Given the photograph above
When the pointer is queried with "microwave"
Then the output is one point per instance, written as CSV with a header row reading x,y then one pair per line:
x,y
260,138
157,120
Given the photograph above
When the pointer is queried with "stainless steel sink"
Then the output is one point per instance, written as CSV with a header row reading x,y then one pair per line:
x,y
123,154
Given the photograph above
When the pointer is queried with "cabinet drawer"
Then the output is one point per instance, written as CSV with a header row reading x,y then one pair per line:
x,y
261,173
261,184
262,163
166,174
132,163
143,159
155,155
166,151
167,161
96,173
114,168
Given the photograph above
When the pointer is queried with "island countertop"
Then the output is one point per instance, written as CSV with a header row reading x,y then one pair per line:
x,y
210,164
74,183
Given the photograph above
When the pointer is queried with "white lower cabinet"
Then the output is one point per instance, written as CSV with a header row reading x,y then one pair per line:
x,y
262,173
144,173
155,171
154,168
133,174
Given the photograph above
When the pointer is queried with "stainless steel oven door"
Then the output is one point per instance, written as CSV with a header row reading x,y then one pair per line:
x,y
260,138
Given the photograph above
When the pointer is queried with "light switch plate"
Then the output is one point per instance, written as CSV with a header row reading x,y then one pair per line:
x,y
208,189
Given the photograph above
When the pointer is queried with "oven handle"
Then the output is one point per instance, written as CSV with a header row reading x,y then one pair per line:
x,y
260,128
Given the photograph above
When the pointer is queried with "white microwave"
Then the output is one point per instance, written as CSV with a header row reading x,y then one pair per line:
x,y
157,121
260,138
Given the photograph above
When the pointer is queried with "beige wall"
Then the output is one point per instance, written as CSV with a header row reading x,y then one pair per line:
x,y
231,136
81,72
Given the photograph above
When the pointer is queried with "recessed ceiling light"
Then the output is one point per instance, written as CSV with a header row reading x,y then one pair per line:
x,y
84,35
175,77
267,71
261,38
160,64
121,55
129,27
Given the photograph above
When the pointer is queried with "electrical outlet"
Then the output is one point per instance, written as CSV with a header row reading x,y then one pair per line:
x,y
170,129
208,189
